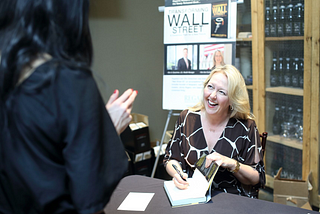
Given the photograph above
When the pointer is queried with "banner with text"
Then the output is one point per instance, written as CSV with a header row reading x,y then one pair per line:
x,y
197,35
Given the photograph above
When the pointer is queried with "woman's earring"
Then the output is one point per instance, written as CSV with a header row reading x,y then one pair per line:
x,y
231,108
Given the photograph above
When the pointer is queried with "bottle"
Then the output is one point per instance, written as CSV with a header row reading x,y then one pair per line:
x,y
295,73
280,69
283,117
301,71
299,116
299,124
302,2
281,20
274,19
290,114
274,71
267,19
276,122
290,127
289,20
298,20
283,111
287,71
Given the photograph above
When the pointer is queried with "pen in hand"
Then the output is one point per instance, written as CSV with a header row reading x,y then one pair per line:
x,y
178,171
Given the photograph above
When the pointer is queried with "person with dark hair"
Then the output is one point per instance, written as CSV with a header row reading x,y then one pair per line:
x,y
184,63
6,14
221,127
60,150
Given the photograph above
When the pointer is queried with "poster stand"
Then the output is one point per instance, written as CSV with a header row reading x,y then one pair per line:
x,y
201,32
163,135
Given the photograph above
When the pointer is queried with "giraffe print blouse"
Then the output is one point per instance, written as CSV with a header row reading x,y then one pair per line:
x,y
239,140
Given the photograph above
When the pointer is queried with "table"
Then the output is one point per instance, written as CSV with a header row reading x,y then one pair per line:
x,y
222,203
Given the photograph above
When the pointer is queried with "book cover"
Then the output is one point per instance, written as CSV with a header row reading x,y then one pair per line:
x,y
219,19
199,184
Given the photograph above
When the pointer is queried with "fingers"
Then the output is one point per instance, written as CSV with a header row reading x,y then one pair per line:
x,y
214,157
113,97
185,176
119,108
179,182
219,159
126,99
125,95
209,159
130,100
127,105
208,162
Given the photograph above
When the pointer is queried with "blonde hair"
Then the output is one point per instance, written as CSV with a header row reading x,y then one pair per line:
x,y
237,93
214,58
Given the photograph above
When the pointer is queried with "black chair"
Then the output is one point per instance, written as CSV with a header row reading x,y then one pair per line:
x,y
263,137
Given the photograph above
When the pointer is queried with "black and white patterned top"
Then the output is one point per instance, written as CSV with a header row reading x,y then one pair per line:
x,y
238,141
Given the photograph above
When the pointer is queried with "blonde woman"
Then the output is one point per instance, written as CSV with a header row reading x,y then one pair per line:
x,y
217,59
222,127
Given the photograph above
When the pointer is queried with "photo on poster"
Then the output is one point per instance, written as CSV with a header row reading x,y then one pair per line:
x,y
219,19
181,57
182,88
212,55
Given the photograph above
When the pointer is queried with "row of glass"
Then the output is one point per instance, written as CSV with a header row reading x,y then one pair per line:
x,y
286,63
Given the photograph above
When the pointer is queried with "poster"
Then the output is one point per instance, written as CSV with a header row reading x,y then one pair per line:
x,y
191,47
219,20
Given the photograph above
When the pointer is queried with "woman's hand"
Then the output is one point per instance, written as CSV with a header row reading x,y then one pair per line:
x,y
179,182
220,160
119,108
245,173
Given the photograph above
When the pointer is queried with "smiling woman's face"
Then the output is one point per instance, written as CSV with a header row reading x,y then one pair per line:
x,y
218,57
215,95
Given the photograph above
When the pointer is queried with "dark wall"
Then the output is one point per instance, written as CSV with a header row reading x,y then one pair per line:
x,y
128,53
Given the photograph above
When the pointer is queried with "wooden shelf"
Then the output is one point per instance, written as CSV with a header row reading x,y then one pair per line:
x,y
244,39
250,87
293,143
286,38
286,90
263,105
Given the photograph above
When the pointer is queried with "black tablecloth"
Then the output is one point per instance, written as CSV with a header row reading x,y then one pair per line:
x,y
222,203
